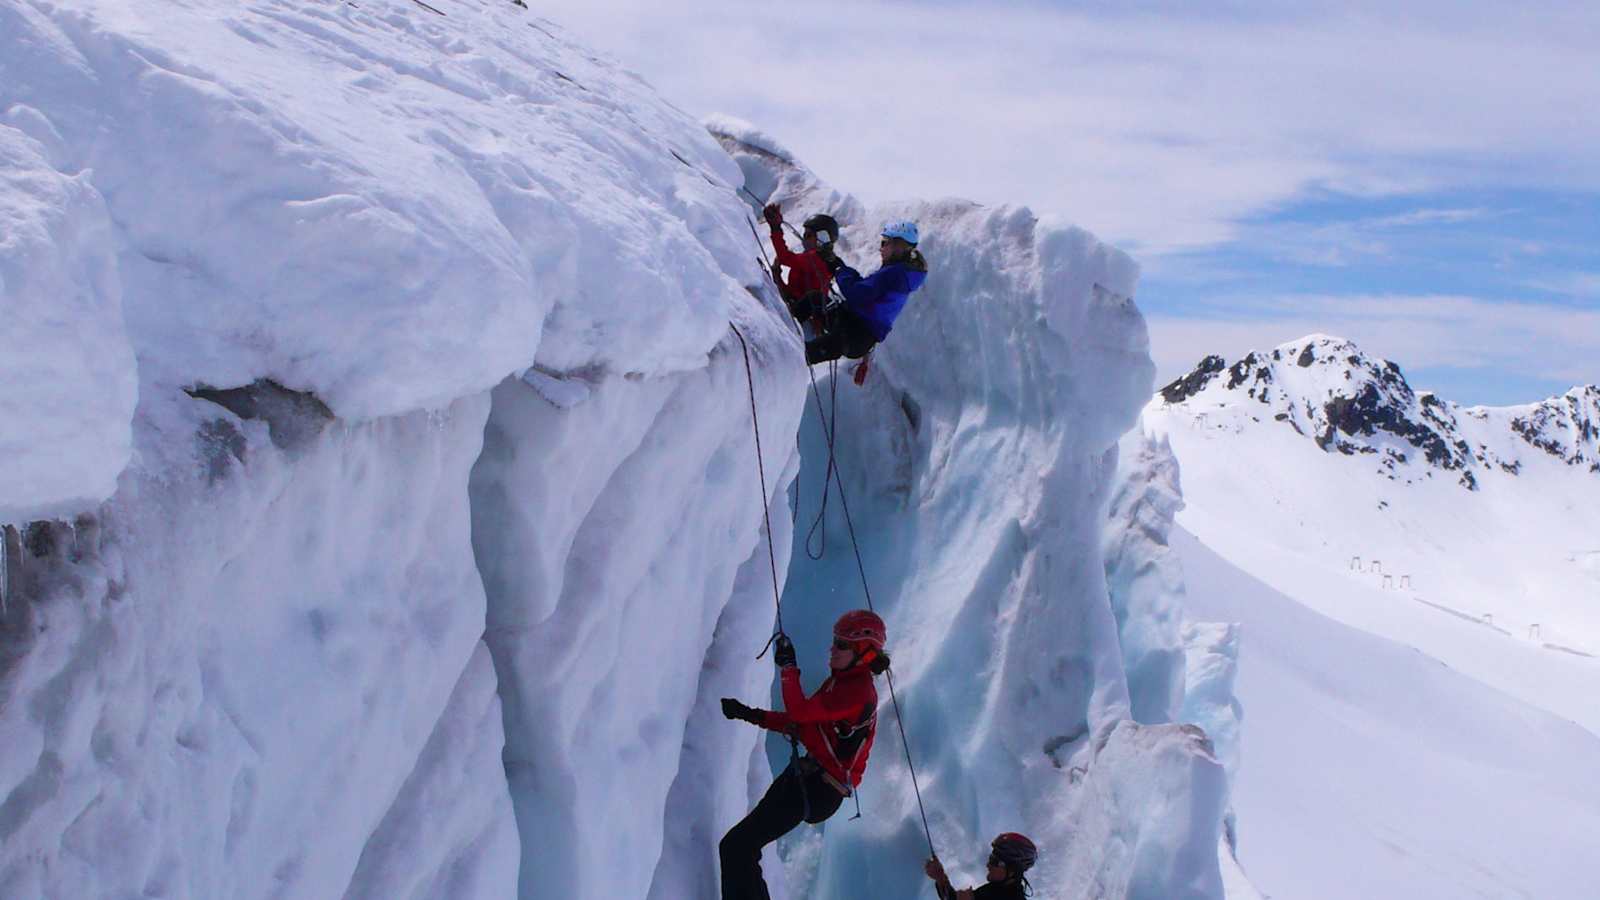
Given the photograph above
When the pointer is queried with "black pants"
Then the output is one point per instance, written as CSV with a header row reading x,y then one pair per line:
x,y
847,334
798,795
810,307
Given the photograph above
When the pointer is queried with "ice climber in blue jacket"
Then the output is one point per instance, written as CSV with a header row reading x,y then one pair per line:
x,y
870,304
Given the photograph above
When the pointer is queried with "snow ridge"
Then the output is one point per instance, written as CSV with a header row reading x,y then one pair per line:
x,y
1327,390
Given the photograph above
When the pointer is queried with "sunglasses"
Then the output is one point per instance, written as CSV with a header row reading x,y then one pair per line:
x,y
842,644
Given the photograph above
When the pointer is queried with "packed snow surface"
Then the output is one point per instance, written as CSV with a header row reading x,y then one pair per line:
x,y
1347,522
385,206
66,409
1457,530
381,356
1370,770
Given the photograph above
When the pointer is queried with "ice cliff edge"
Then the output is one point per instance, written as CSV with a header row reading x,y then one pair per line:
x,y
329,605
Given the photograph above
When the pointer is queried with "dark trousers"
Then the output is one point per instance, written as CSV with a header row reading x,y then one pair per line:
x,y
808,308
847,334
798,795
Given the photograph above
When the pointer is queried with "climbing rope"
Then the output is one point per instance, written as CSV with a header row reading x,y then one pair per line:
x,y
819,525
866,590
829,422
786,223
829,428
761,469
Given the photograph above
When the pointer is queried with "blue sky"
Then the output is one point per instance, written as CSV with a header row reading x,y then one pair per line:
x,y
1420,178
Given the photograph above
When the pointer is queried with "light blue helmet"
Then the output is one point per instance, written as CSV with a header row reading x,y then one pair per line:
x,y
905,231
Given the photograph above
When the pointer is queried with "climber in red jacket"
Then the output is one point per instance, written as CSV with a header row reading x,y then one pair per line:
x,y
835,725
806,289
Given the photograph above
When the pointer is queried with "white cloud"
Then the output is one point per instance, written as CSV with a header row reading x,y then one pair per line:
x,y
1158,129
1572,284
1536,341
1431,217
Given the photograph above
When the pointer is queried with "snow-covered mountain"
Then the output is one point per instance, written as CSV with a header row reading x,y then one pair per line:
x,y
1327,390
307,594
1347,521
1321,450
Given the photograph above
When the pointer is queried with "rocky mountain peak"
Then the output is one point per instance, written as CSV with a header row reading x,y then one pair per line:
x,y
1329,391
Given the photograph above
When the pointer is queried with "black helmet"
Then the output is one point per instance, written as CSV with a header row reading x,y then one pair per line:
x,y
822,223
1015,852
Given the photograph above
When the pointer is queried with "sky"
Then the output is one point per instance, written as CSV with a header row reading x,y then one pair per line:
x,y
1421,178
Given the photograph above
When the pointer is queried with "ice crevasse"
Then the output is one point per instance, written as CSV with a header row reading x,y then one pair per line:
x,y
307,595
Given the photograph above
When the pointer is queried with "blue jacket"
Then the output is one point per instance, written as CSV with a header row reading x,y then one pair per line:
x,y
878,298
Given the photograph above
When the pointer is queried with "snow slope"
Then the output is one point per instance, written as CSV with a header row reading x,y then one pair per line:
x,y
1460,531
1348,522
322,599
65,418
439,191
1371,770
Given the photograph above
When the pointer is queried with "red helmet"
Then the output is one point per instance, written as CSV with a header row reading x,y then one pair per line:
x,y
861,626
1015,851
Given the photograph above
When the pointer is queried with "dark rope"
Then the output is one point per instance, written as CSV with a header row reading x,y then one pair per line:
x,y
829,430
820,523
861,568
792,230
761,469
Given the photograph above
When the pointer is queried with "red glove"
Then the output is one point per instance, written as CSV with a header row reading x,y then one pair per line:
x,y
773,215
859,376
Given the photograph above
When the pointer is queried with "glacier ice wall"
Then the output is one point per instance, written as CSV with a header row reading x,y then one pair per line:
x,y
364,615
613,536
1145,579
264,663
221,681
978,461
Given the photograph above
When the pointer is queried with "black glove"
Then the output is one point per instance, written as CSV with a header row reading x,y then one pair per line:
x,y
733,709
783,652
773,215
832,261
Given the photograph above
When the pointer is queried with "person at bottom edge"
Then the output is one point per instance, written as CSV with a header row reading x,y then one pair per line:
x,y
1012,855
835,725
871,304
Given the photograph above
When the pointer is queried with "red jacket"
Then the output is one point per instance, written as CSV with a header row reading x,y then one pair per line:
x,y
807,271
836,724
